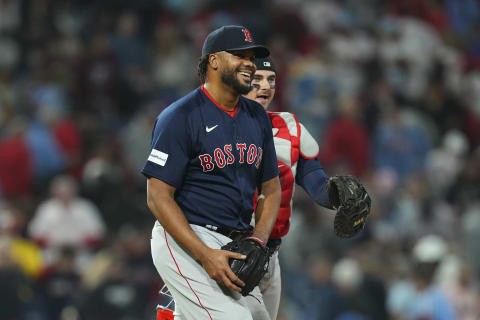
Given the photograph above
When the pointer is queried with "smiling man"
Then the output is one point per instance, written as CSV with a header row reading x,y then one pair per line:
x,y
263,83
210,151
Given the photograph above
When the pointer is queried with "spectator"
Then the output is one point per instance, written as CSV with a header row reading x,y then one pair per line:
x,y
46,155
420,297
126,41
172,60
363,296
401,143
117,296
16,165
60,285
444,163
23,253
347,140
65,219
13,282
10,15
319,298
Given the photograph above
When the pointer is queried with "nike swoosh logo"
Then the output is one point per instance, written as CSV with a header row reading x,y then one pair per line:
x,y
210,129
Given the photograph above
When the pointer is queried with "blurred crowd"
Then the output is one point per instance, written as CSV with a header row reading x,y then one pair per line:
x,y
391,89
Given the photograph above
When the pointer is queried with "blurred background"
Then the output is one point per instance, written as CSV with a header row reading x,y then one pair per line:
x,y
391,90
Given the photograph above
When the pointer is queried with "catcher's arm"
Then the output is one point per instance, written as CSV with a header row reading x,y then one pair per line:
x,y
267,209
311,177
163,206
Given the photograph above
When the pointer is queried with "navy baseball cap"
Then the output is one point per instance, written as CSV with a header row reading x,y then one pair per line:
x,y
230,38
265,64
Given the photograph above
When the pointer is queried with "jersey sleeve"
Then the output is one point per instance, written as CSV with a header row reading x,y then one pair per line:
x,y
170,149
269,166
311,177
308,145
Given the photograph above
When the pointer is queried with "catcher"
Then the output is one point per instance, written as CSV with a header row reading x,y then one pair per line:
x,y
296,152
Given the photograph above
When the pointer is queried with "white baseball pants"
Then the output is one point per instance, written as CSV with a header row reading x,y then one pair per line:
x,y
196,295
270,289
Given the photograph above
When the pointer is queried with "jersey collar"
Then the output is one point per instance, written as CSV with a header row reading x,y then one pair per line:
x,y
230,113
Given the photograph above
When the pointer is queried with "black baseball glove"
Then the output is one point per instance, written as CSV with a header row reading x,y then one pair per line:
x,y
253,268
352,202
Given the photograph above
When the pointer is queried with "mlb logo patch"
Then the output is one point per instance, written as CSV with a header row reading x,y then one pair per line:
x,y
158,157
266,64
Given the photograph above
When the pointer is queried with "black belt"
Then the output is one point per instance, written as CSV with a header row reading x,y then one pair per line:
x,y
228,232
234,234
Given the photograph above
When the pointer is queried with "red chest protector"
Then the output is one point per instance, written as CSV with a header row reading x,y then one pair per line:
x,y
286,132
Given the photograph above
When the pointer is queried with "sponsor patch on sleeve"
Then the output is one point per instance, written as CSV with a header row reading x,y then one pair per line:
x,y
158,157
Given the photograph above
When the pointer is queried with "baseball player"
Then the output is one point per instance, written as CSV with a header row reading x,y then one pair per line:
x,y
296,152
210,151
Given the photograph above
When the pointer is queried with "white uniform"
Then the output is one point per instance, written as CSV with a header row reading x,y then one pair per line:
x,y
292,141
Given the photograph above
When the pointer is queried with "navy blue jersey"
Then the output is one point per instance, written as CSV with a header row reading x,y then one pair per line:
x,y
214,160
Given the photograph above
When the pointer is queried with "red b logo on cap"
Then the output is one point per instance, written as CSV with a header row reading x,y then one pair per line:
x,y
248,36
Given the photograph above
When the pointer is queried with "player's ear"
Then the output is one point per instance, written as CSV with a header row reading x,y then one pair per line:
x,y
213,60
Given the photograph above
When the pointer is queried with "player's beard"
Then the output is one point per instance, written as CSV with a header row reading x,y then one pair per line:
x,y
230,79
